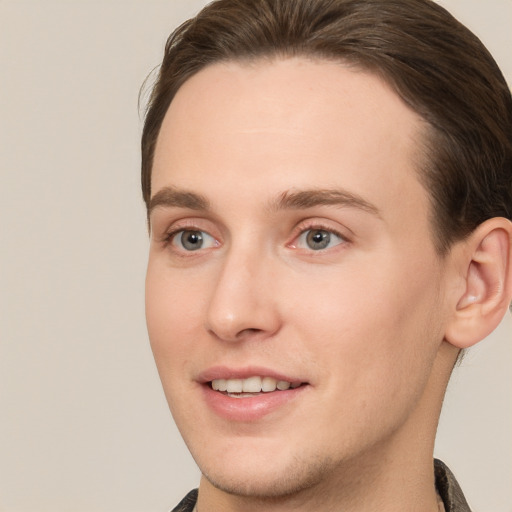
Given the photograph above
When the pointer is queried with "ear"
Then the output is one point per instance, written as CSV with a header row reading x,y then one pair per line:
x,y
486,283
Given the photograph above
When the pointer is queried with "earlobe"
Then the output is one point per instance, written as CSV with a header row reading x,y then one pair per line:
x,y
487,283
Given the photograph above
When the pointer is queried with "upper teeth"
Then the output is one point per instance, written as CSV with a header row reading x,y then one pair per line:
x,y
252,385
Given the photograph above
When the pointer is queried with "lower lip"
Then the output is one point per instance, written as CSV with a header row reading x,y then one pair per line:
x,y
248,409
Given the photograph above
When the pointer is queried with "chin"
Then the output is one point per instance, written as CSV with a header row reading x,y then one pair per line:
x,y
273,479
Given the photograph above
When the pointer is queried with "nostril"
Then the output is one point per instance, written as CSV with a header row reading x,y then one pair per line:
x,y
248,331
226,334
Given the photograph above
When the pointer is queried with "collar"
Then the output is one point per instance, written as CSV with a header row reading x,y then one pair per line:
x,y
449,490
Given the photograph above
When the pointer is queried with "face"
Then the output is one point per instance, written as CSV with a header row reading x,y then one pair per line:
x,y
293,290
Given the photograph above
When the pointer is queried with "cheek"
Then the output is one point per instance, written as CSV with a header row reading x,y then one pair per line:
x,y
171,310
172,327
380,321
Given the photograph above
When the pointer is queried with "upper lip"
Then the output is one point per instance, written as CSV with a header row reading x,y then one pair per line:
x,y
225,372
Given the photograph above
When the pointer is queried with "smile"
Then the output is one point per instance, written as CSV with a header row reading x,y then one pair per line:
x,y
240,388
251,406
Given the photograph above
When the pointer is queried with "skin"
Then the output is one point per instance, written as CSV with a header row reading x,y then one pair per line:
x,y
361,321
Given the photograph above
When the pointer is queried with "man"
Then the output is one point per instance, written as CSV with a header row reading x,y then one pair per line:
x,y
329,194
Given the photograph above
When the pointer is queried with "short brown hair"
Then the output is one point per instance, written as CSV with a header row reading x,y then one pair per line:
x,y
436,65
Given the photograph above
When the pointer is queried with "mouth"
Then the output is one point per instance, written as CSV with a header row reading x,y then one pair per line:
x,y
248,395
252,386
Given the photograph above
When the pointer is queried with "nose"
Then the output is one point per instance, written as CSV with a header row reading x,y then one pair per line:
x,y
243,303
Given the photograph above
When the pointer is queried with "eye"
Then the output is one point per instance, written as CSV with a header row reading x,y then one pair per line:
x,y
192,240
318,239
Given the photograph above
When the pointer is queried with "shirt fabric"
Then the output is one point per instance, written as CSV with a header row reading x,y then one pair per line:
x,y
447,488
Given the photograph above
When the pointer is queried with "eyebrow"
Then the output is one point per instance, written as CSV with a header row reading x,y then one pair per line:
x,y
172,197
303,199
289,200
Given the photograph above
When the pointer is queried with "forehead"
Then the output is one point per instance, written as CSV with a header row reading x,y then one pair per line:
x,y
290,123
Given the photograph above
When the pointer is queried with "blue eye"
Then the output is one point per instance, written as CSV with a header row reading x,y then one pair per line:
x,y
192,240
318,239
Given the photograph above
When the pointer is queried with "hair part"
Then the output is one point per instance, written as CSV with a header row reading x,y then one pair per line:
x,y
437,66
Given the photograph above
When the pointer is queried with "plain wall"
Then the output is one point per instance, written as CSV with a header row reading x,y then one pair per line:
x,y
83,422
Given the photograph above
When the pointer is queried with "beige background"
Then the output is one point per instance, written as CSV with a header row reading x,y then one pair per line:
x,y
83,422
